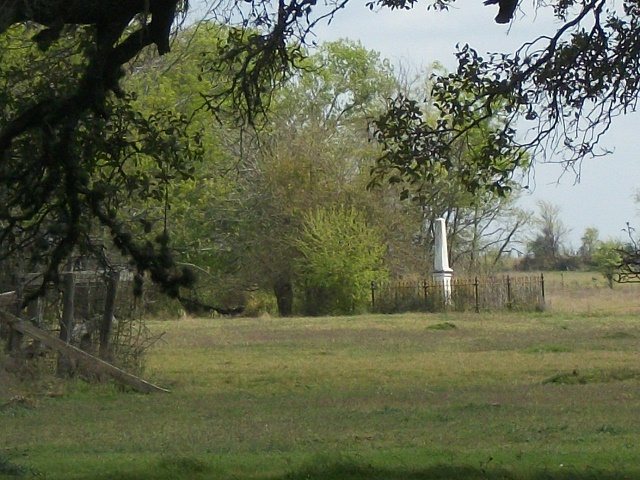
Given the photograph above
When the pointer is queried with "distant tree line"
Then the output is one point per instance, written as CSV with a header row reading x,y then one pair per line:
x,y
615,259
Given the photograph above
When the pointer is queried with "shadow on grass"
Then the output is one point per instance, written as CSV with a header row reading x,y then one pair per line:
x,y
189,468
9,469
353,471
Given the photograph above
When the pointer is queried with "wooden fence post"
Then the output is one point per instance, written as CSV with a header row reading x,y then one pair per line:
x,y
35,311
14,342
7,299
35,314
476,293
425,292
65,365
68,300
107,319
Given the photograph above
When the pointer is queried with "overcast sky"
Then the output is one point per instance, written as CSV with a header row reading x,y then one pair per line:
x,y
603,198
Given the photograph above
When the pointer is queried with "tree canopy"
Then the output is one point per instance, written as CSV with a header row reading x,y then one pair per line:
x,y
72,141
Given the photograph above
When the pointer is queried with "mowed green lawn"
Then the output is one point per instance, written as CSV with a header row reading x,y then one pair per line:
x,y
419,396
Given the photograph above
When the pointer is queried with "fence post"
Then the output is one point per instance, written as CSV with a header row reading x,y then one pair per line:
x,y
65,366
425,293
35,311
68,298
14,342
542,286
107,319
373,295
477,296
508,291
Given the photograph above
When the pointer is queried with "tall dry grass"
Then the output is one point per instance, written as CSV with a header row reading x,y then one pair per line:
x,y
588,293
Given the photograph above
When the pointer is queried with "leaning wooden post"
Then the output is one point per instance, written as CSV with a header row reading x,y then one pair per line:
x,y
107,320
94,364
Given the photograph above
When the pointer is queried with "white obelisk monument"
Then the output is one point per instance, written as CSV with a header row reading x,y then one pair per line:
x,y
442,273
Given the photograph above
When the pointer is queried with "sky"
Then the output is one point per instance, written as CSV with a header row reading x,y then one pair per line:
x,y
602,196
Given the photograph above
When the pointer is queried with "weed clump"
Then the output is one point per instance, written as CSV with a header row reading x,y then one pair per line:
x,y
442,326
7,467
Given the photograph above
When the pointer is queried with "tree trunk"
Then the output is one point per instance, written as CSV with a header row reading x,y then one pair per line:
x,y
283,291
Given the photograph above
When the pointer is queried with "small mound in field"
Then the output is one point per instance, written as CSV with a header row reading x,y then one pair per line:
x,y
594,376
442,326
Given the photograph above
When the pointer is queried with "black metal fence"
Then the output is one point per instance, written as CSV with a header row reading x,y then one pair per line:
x,y
467,294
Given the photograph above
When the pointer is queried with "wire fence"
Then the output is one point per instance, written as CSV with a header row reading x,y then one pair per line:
x,y
466,294
87,310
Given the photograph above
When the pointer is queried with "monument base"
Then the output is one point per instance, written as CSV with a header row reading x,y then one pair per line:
x,y
444,278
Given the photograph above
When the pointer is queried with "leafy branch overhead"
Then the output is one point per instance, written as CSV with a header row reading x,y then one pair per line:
x,y
554,97
68,147
418,150
73,149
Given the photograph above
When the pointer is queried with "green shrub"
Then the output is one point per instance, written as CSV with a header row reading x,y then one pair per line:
x,y
340,257
260,303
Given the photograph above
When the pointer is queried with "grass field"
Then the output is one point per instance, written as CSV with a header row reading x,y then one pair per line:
x,y
430,396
